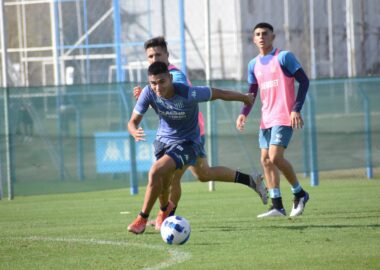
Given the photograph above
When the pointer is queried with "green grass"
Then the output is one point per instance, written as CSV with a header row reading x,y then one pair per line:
x,y
340,229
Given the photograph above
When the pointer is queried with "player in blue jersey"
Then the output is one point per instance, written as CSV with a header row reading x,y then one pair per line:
x,y
178,143
156,50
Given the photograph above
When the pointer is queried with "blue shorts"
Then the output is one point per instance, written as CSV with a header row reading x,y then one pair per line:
x,y
183,153
276,135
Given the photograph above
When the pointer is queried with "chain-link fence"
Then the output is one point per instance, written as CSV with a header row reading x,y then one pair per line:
x,y
67,115
76,139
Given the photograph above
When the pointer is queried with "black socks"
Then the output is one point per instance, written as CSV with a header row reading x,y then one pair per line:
x,y
244,179
277,203
143,215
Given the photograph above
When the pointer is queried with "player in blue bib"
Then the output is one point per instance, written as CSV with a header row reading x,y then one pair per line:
x,y
178,144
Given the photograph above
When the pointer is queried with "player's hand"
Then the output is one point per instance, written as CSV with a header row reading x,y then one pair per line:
x,y
139,134
136,92
240,122
296,120
249,99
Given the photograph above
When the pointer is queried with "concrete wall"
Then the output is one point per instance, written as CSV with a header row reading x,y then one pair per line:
x,y
232,23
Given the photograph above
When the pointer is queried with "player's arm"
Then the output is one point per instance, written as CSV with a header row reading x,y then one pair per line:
x,y
141,107
134,129
241,119
137,91
303,81
227,95
295,116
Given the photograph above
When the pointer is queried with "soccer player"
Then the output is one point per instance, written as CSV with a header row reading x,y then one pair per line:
x,y
178,143
156,50
273,72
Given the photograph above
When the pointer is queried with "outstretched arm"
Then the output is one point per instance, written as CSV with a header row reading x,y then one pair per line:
x,y
241,119
231,96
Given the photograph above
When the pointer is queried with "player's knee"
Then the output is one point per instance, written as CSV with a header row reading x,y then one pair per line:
x,y
265,161
204,177
157,169
157,173
276,159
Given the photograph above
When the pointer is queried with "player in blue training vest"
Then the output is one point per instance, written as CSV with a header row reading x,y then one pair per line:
x,y
178,144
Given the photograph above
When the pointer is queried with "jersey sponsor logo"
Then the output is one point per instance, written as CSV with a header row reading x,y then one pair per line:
x,y
193,94
172,114
269,84
170,106
178,105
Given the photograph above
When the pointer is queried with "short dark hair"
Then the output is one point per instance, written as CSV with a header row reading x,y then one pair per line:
x,y
263,25
157,68
156,42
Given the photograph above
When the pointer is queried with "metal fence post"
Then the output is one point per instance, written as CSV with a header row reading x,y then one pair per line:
x,y
314,179
367,127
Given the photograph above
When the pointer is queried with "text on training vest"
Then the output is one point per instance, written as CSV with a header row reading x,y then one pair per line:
x,y
269,84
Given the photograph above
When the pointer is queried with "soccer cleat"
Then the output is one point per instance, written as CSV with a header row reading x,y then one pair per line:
x,y
299,205
162,215
273,212
138,225
257,184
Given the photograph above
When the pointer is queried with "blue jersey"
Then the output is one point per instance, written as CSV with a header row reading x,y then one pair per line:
x,y
287,60
178,76
178,115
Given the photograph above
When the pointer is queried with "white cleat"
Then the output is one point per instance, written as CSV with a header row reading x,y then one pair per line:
x,y
259,187
299,205
273,212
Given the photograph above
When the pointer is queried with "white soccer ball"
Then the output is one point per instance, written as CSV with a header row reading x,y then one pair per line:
x,y
175,230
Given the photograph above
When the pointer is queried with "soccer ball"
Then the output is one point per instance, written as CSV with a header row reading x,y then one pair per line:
x,y
175,230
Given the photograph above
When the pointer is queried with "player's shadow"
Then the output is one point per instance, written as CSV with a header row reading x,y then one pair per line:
x,y
225,228
320,226
231,228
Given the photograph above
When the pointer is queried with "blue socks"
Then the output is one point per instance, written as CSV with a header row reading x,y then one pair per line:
x,y
296,188
274,193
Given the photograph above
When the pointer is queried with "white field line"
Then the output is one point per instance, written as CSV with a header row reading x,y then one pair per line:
x,y
174,256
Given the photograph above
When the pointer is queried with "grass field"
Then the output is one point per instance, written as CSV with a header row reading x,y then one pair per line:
x,y
340,229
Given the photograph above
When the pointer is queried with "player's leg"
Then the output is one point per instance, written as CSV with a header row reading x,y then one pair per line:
x,y
175,189
182,154
169,199
300,195
271,176
172,194
273,184
159,179
281,136
204,173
